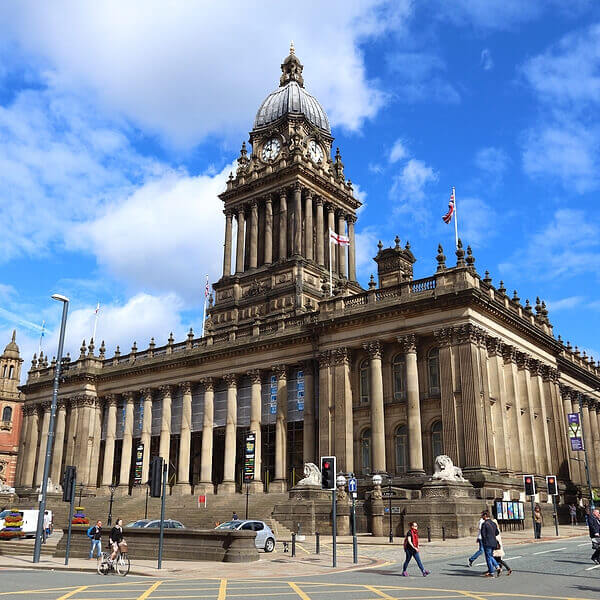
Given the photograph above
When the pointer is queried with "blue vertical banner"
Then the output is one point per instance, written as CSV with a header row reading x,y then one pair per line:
x,y
273,402
300,390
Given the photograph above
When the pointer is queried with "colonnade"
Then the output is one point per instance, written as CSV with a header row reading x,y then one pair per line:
x,y
302,221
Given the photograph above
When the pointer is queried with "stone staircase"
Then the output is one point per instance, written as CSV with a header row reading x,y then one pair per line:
x,y
24,547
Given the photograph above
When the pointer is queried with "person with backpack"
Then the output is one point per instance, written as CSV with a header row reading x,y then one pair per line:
x,y
411,548
95,535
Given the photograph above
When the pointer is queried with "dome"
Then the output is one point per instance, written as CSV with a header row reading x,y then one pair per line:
x,y
11,350
291,98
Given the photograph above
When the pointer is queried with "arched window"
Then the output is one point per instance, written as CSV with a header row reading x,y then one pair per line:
x,y
399,374
7,414
365,451
401,448
433,369
364,382
11,371
437,441
4,371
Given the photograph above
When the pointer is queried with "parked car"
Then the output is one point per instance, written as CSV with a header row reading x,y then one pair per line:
x,y
265,538
155,524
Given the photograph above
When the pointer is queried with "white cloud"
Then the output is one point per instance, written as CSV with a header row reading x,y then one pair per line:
x,y
398,151
475,219
565,303
165,67
366,249
491,160
486,60
408,189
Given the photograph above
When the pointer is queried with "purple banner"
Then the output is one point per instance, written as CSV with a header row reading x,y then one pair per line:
x,y
576,444
573,418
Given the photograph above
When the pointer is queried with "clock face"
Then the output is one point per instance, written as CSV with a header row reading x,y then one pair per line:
x,y
271,149
315,151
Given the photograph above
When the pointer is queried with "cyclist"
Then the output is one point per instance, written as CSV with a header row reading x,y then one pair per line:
x,y
116,537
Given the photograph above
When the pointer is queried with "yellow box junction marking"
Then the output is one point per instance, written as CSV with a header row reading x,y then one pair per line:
x,y
379,592
298,591
73,592
222,590
147,593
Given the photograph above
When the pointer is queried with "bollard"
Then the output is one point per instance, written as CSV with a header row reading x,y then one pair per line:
x,y
317,542
443,534
293,544
428,534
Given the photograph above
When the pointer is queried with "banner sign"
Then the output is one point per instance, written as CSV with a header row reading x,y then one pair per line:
x,y
139,459
300,390
509,511
273,392
249,457
575,432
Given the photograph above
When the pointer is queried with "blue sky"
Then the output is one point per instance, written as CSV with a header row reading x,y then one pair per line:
x,y
119,125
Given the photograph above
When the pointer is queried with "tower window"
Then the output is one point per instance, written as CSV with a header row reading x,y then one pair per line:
x,y
11,371
7,414
364,382
401,448
4,371
433,369
437,440
399,374
365,451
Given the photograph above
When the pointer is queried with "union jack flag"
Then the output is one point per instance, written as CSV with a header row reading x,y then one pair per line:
x,y
207,288
448,216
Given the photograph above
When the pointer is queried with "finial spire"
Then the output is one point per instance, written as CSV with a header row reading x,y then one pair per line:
x,y
14,335
292,49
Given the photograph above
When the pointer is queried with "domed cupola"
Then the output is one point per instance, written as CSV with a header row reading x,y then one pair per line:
x,y
291,98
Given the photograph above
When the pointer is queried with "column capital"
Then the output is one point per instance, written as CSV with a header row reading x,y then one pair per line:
x,y
62,403
46,406
351,218
324,359
84,400
339,213
330,207
494,345
228,213
109,399
585,400
308,194
185,387
231,379
296,186
254,375
342,356
254,204
469,334
208,383
28,409
318,200
374,349
535,367
283,193
565,391
269,199
444,337
307,366
509,353
129,396
146,393
408,343
524,361
280,371
165,390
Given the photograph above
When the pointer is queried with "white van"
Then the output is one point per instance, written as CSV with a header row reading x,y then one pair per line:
x,y
30,518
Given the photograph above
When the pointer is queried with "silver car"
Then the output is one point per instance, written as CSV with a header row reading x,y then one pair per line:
x,y
265,538
155,524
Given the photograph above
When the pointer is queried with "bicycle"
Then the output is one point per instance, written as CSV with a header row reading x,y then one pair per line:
x,y
120,565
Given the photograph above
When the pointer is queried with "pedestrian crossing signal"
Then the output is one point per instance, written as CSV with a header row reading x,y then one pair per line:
x,y
529,482
328,472
552,485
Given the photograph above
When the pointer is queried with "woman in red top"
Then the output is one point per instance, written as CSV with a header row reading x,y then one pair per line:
x,y
411,547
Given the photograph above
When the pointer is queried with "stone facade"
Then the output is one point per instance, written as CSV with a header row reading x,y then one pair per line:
x,y
385,378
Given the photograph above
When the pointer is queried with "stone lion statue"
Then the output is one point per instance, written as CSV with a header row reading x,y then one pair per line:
x,y
444,469
312,476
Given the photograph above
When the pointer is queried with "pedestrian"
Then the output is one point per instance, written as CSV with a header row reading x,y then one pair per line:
x,y
95,535
499,554
538,521
573,514
489,533
47,525
115,538
411,548
235,517
594,525
479,552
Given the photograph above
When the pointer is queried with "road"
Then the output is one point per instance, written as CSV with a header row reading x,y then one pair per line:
x,y
557,570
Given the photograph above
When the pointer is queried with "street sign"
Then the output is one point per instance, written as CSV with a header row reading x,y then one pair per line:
x,y
388,494
249,457
352,485
575,436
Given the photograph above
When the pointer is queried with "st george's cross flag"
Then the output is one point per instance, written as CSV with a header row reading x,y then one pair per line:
x,y
448,216
338,238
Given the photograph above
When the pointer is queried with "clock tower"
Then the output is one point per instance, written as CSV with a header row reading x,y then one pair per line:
x,y
285,197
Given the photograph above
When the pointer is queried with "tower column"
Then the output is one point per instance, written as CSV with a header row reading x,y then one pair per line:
x,y
341,249
377,413
255,426
185,441
254,235
59,441
352,248
228,485
39,474
588,436
308,225
109,443
239,250
282,224
297,219
165,423
268,230
127,446
32,443
415,443
279,484
146,433
331,226
227,253
319,232
206,453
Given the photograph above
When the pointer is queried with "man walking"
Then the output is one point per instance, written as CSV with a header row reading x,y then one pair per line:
x,y
489,532
594,526
479,551
573,514
95,535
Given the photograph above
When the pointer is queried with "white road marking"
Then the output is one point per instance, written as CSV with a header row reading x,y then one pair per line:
x,y
553,550
586,544
505,558
592,568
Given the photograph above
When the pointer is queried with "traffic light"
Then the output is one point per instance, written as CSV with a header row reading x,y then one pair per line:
x,y
156,473
68,483
328,472
529,482
552,485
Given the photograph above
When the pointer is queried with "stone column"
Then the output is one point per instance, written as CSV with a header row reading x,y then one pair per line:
x,y
330,247
297,219
228,485
96,436
352,248
279,484
341,249
415,442
309,413
239,250
165,424
319,232
513,405
73,415
377,413
326,408
255,426
59,442
587,435
185,441
579,468
596,415
544,417
146,435
253,235
83,446
268,230
558,432
39,473
283,224
109,443
343,417
32,444
23,446
227,253
127,446
532,437
308,225
206,454
595,445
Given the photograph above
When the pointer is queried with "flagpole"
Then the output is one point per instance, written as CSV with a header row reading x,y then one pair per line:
x,y
96,321
41,336
330,275
204,309
455,218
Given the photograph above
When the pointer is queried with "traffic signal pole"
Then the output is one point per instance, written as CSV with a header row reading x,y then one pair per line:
x,y
334,524
71,507
162,513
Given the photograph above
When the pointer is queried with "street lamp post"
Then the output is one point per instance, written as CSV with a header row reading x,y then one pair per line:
x,y
37,549
377,481
113,488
